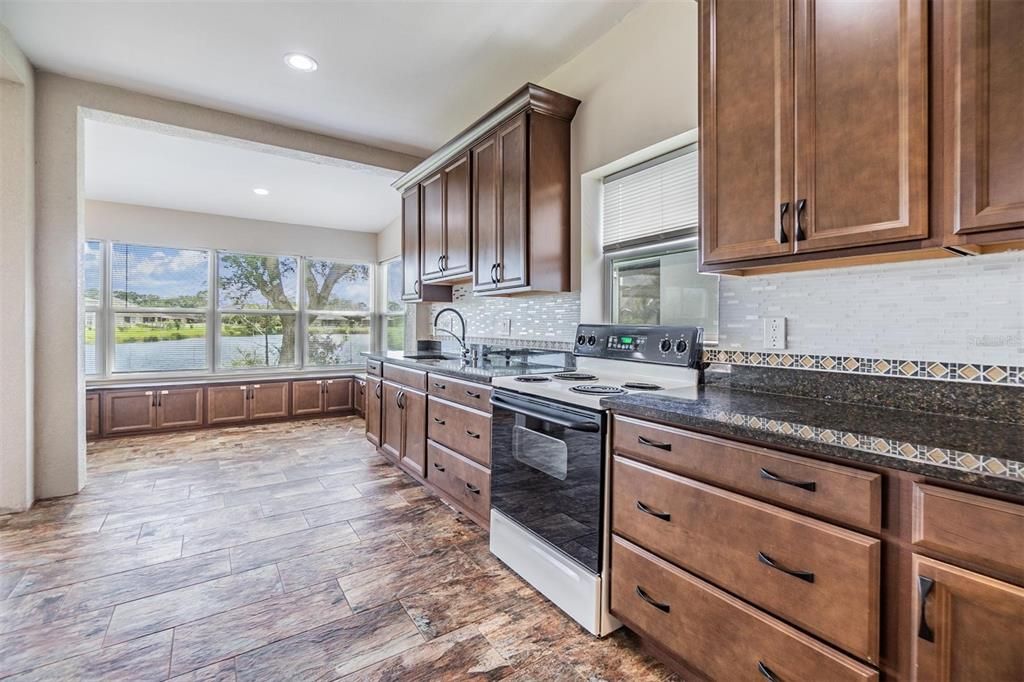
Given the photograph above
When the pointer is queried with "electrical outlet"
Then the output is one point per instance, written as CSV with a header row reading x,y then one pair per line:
x,y
775,333
503,327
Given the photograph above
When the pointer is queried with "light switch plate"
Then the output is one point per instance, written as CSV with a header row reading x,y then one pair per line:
x,y
774,333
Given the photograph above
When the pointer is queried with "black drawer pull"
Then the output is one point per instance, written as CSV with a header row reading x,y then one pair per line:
x,y
440,386
471,394
438,466
438,421
924,588
647,598
471,434
805,485
472,488
767,673
768,561
664,516
654,443
783,210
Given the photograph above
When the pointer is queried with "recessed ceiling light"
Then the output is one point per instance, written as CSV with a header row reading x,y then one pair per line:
x,y
262,191
300,62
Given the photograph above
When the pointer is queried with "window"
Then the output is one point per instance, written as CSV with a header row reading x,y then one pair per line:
x,y
393,319
258,310
159,307
92,297
649,224
338,306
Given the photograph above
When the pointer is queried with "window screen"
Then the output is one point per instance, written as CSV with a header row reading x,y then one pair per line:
x,y
653,201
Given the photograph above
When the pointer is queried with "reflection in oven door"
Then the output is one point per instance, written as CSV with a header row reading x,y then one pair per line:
x,y
546,472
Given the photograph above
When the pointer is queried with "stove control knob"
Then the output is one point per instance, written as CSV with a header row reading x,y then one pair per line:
x,y
581,340
681,346
665,345
591,340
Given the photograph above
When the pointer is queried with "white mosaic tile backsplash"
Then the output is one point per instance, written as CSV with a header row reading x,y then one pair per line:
x,y
548,320
968,309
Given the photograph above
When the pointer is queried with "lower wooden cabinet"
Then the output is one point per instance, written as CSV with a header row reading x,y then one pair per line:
x,y
227,404
321,396
92,415
179,408
967,626
464,480
248,402
268,401
135,411
338,395
373,416
403,431
359,396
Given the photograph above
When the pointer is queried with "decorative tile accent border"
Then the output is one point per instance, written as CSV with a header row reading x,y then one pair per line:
x,y
944,457
1006,375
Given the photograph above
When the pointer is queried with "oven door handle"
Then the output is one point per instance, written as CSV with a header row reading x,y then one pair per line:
x,y
550,417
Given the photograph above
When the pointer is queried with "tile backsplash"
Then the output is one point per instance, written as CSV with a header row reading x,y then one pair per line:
x,y
544,320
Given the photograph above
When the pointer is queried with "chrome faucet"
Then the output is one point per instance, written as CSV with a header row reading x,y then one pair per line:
x,y
460,339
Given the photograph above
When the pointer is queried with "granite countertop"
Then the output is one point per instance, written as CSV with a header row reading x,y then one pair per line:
x,y
323,373
988,454
480,372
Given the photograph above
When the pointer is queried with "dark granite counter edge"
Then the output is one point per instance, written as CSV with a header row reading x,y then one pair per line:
x,y
427,367
799,445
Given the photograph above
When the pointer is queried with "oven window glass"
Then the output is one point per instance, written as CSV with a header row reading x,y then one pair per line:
x,y
540,451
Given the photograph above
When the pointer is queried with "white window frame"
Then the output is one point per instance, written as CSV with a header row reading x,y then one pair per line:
x,y
100,311
382,305
105,316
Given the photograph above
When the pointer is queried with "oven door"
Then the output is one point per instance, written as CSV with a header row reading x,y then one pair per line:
x,y
547,463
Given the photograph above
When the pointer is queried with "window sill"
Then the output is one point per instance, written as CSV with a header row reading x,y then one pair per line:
x,y
182,379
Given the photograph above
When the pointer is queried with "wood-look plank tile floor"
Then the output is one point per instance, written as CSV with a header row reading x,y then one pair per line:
x,y
288,551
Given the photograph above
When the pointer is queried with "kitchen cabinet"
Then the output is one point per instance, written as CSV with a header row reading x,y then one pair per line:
x,y
92,415
360,396
374,410
268,400
248,402
983,111
814,127
446,221
413,288
967,626
321,396
494,201
338,395
403,413
135,411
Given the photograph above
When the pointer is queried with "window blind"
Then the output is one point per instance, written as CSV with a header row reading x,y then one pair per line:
x,y
652,201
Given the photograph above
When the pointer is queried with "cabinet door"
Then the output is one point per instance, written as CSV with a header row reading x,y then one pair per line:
x,y
92,414
513,220
984,98
414,431
307,397
227,404
337,395
432,212
411,285
861,122
457,240
485,212
268,401
360,398
391,421
966,626
128,411
178,408
374,394
746,130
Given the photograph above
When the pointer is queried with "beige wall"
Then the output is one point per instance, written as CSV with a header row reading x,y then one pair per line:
x,y
61,104
638,87
17,237
389,241
166,227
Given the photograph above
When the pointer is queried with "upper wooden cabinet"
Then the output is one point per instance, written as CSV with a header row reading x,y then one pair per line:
x,y
813,125
493,203
413,288
982,90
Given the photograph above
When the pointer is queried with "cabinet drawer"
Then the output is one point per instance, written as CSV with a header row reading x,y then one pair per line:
x,y
719,635
836,492
373,367
815,575
466,431
461,392
987,532
413,378
466,481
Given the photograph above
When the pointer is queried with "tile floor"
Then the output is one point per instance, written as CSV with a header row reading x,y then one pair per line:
x,y
288,551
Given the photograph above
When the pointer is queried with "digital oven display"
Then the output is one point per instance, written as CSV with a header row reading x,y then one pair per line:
x,y
629,343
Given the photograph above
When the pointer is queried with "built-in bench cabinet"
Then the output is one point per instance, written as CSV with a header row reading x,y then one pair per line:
x,y
742,562
435,427
113,411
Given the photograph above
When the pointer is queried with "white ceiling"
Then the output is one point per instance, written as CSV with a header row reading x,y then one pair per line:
x,y
401,75
175,169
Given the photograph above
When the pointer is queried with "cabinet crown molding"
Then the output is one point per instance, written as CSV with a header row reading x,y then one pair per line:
x,y
530,97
